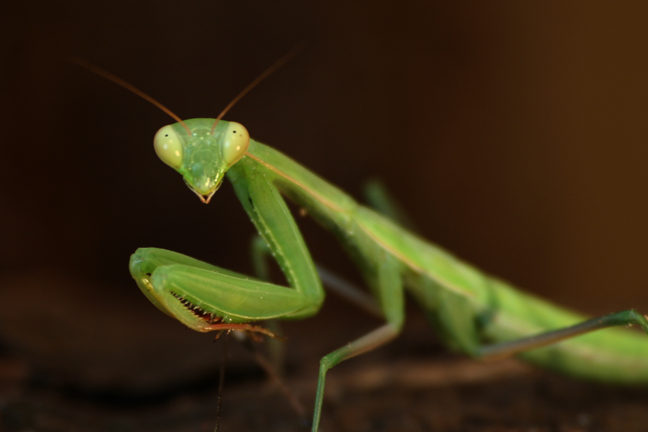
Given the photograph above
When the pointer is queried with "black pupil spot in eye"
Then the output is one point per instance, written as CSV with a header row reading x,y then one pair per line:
x,y
166,135
233,131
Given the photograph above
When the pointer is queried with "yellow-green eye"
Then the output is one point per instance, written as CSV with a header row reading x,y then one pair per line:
x,y
235,143
168,146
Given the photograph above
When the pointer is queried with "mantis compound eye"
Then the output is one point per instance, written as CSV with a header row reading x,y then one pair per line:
x,y
236,140
168,146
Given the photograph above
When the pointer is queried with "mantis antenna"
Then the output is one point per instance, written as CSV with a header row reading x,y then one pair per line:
x,y
105,74
129,87
279,63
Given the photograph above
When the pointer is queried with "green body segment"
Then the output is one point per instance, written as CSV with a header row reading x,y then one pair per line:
x,y
468,308
499,311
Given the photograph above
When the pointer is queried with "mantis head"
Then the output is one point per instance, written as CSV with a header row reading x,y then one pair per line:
x,y
202,150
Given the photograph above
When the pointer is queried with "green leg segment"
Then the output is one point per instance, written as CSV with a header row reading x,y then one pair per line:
x,y
457,325
390,290
349,292
145,261
261,252
505,349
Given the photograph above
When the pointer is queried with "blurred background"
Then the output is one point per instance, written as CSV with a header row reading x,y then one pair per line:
x,y
514,134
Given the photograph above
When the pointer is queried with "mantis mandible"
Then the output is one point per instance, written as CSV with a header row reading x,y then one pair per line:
x,y
474,313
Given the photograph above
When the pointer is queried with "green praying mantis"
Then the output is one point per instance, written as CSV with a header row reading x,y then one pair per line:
x,y
473,312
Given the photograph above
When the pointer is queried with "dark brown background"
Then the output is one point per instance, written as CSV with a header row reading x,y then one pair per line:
x,y
515,134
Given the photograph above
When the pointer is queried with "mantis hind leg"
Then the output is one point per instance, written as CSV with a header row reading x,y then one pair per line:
x,y
505,349
461,328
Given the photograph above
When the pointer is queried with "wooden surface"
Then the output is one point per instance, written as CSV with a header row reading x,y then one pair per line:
x,y
410,385
414,385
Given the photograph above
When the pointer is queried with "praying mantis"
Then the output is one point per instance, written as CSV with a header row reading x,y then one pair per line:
x,y
474,313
